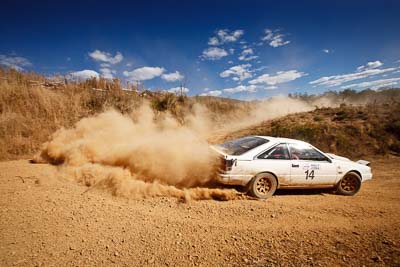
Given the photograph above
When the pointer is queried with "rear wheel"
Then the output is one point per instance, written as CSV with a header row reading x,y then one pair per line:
x,y
263,185
350,184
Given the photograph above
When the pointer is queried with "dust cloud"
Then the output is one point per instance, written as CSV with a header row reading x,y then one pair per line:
x,y
137,156
276,107
143,155
272,108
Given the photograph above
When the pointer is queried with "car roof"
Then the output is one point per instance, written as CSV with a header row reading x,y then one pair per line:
x,y
282,140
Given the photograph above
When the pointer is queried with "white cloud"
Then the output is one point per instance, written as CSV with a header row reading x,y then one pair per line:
x,y
213,41
370,65
14,62
105,65
337,80
248,88
274,38
212,93
241,88
247,51
249,58
144,73
178,90
260,68
214,53
83,75
101,56
107,73
226,36
238,73
327,51
280,77
247,55
374,84
172,77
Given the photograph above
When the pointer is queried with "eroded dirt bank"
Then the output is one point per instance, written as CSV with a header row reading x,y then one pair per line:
x,y
49,221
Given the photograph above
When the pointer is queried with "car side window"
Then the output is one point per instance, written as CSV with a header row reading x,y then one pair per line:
x,y
277,152
305,152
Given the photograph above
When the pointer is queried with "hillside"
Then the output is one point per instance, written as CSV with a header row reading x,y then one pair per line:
x,y
33,107
352,131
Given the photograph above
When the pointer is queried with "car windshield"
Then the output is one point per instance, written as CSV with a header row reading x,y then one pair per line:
x,y
242,145
305,152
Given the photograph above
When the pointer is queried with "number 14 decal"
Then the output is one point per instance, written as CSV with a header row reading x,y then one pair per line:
x,y
309,174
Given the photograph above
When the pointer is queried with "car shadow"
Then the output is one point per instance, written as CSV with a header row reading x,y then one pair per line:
x,y
305,192
281,192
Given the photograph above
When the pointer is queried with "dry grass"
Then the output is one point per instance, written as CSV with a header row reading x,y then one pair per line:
x,y
30,112
351,131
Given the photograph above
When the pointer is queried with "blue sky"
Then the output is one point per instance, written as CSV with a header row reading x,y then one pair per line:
x,y
237,49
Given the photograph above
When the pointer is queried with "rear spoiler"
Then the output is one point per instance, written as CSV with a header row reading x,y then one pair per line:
x,y
363,162
219,151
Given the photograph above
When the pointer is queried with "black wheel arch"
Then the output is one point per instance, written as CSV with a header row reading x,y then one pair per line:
x,y
354,171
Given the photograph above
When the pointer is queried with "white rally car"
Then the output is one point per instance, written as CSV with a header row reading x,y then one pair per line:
x,y
263,164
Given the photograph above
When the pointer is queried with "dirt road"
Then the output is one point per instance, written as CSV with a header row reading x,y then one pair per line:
x,y
48,221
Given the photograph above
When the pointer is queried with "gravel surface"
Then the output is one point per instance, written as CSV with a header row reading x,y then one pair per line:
x,y
46,220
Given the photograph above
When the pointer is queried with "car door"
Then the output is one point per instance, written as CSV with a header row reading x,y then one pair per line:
x,y
310,167
275,160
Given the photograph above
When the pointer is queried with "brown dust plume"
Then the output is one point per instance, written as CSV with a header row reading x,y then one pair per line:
x,y
136,157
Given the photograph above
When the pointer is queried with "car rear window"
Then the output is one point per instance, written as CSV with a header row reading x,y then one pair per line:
x,y
242,145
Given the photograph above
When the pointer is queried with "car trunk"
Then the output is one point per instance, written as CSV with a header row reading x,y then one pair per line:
x,y
225,163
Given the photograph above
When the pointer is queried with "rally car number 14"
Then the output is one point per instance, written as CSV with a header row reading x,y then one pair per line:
x,y
264,164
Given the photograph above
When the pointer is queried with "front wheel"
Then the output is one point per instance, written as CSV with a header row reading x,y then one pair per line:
x,y
350,184
263,185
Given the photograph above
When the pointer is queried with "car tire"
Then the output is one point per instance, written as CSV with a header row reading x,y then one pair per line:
x,y
263,185
349,185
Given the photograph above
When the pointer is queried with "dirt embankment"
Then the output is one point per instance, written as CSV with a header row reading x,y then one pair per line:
x,y
352,131
32,107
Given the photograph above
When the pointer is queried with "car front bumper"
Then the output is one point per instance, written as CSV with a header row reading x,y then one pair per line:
x,y
366,176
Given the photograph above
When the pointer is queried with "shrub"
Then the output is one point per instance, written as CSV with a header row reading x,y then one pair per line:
x,y
393,127
341,115
318,118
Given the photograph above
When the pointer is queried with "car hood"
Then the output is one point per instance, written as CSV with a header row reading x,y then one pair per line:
x,y
336,157
346,160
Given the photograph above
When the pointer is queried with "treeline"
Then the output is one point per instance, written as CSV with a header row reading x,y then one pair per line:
x,y
350,96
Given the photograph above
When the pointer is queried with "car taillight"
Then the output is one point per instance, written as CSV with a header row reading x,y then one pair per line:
x,y
226,164
229,164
